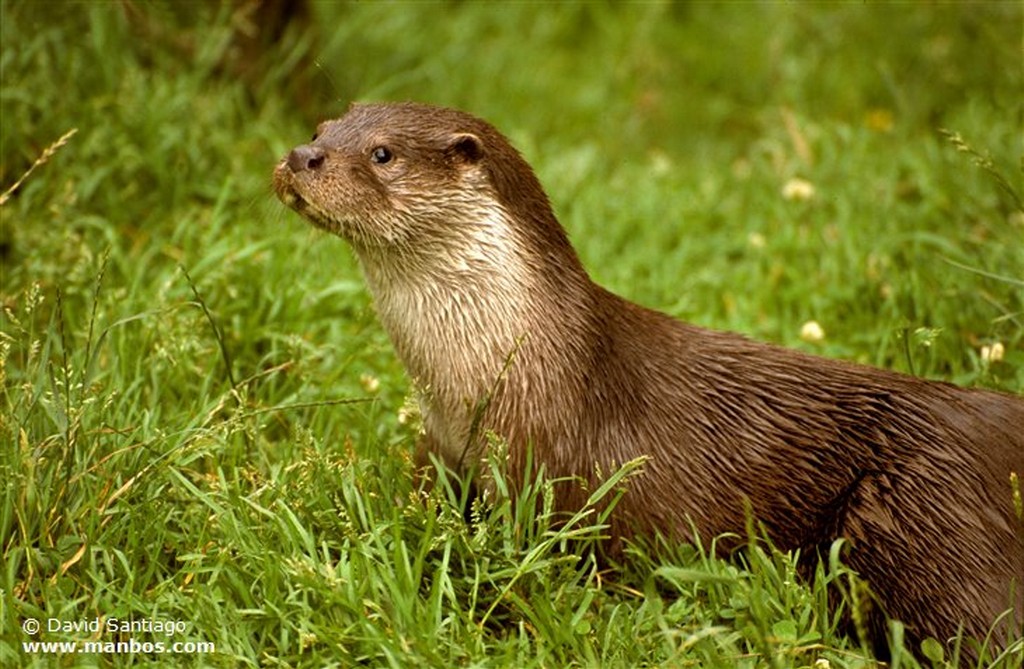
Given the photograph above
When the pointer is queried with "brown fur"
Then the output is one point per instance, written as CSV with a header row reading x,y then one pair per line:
x,y
488,305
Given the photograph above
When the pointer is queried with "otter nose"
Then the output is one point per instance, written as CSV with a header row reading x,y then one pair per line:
x,y
305,157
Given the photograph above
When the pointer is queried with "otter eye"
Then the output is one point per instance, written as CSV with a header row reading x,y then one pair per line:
x,y
381,155
315,135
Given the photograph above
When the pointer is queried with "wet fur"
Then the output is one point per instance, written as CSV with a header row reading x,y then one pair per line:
x,y
484,298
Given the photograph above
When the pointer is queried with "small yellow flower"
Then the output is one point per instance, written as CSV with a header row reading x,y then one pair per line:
x,y
798,189
756,240
371,384
812,332
993,353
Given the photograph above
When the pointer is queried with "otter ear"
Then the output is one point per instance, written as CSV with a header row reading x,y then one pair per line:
x,y
465,147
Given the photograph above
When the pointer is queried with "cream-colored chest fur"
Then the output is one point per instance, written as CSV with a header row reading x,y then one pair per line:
x,y
458,313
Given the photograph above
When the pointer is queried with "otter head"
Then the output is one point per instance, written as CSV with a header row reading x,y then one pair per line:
x,y
420,182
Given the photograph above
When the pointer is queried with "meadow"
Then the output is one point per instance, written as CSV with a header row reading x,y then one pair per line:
x,y
204,430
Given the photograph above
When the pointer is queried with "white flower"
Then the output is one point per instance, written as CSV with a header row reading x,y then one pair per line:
x,y
812,332
993,353
370,383
798,189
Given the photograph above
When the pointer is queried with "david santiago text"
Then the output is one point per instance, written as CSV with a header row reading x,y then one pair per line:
x,y
114,625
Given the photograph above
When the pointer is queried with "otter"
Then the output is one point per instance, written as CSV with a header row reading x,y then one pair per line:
x,y
496,320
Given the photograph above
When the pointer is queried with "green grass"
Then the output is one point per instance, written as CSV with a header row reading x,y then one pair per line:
x,y
200,415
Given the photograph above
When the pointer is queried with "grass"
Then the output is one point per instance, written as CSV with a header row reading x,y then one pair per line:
x,y
201,420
